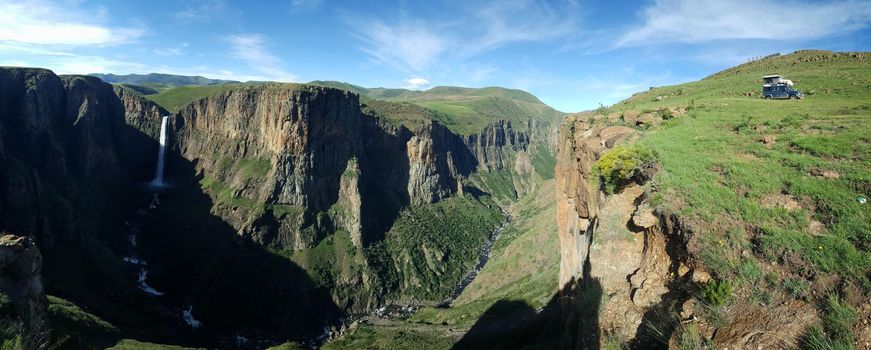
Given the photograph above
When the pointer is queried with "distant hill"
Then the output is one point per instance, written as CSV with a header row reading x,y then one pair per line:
x,y
159,78
463,110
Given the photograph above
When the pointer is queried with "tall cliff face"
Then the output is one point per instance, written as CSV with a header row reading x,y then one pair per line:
x,y
65,150
577,196
67,159
437,160
275,157
304,137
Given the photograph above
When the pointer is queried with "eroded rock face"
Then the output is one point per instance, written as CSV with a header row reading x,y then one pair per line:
x,y
21,280
298,141
580,145
65,149
437,160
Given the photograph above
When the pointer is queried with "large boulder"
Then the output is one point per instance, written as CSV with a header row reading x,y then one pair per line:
x,y
630,117
648,119
20,279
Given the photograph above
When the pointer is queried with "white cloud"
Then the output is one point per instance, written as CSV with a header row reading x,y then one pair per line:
x,y
251,48
417,83
694,21
172,51
38,22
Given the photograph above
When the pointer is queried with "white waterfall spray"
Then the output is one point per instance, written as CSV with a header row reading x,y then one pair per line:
x,y
158,173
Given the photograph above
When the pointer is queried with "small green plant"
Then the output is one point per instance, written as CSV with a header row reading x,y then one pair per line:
x,y
666,114
717,293
689,338
795,287
622,163
745,124
839,318
749,271
602,109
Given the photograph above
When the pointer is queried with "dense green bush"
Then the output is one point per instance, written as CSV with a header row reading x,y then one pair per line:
x,y
622,163
717,293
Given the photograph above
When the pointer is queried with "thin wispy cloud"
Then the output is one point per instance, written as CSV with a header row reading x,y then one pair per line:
x,y
47,23
303,5
200,11
415,43
409,44
506,22
172,51
695,21
252,49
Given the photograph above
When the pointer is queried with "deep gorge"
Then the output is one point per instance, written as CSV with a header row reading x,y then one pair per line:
x,y
266,188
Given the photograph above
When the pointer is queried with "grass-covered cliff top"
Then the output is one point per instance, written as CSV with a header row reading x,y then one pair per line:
x,y
775,190
463,110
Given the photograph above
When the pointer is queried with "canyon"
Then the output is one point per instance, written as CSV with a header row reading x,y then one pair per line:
x,y
252,184
327,215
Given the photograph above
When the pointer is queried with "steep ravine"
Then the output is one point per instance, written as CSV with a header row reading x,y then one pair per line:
x,y
287,195
300,172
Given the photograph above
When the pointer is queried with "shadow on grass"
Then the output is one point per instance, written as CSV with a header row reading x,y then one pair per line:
x,y
570,320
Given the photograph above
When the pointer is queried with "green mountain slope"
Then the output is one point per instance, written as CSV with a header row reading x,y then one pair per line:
x,y
158,78
463,110
774,190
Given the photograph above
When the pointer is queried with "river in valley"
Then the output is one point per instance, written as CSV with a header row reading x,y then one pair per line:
x,y
401,312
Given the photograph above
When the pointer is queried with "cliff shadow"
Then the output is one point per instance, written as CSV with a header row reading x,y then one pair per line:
x,y
385,179
387,169
570,320
581,302
513,324
242,293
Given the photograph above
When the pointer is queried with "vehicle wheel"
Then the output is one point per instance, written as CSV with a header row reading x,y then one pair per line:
x,y
793,97
767,97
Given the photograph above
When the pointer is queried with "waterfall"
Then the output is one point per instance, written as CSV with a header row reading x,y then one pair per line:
x,y
158,173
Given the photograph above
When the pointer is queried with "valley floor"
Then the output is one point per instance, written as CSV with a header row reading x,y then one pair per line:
x,y
510,299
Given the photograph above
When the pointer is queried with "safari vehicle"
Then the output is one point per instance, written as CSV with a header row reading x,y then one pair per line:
x,y
776,86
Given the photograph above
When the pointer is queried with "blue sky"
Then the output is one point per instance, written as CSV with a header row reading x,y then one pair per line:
x,y
571,54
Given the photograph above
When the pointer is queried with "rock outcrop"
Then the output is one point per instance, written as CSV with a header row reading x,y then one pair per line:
x,y
21,280
628,261
580,145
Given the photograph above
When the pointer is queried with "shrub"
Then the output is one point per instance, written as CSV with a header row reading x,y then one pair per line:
x,y
717,293
602,109
622,163
746,123
666,114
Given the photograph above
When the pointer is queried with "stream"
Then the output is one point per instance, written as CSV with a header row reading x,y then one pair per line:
x,y
483,257
395,311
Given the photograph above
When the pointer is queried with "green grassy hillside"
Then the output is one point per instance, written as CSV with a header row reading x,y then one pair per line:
x,y
463,110
774,190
